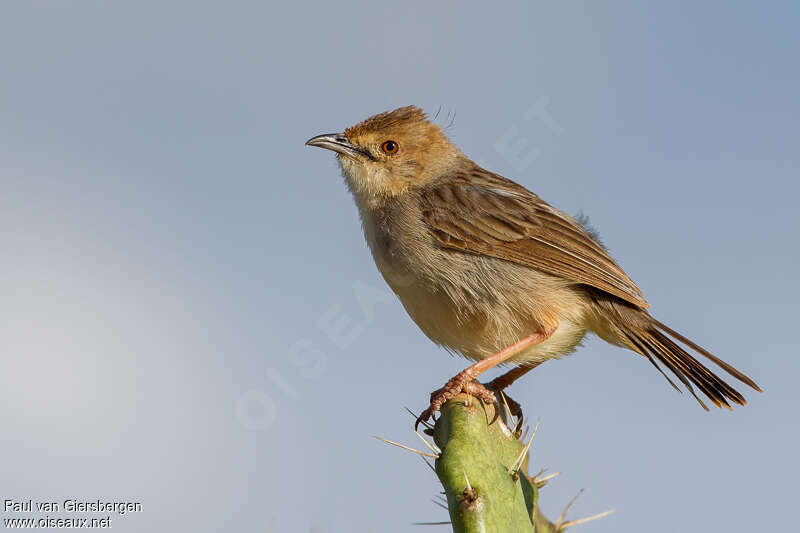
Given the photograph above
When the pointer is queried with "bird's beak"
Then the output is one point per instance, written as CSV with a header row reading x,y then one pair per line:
x,y
339,143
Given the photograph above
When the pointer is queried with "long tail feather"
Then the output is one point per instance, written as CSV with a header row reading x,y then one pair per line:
x,y
722,364
660,344
654,342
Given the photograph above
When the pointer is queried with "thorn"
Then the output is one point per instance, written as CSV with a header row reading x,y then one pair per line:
x,y
429,464
546,478
469,487
509,416
518,427
565,525
536,427
560,523
424,423
435,449
518,462
439,504
430,523
405,447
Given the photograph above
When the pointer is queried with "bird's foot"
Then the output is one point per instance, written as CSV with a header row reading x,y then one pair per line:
x,y
462,382
497,386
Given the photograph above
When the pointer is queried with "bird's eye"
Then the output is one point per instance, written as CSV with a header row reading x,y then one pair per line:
x,y
390,147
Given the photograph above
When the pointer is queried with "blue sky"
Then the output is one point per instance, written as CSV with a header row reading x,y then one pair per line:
x,y
190,316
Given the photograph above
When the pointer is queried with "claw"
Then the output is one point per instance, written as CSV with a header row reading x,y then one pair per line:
x,y
423,417
463,381
453,388
513,407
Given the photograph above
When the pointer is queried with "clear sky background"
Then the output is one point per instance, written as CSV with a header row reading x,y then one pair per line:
x,y
190,317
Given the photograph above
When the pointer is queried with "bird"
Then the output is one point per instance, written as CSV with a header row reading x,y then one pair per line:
x,y
490,271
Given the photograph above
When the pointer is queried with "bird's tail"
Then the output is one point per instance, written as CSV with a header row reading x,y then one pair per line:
x,y
659,343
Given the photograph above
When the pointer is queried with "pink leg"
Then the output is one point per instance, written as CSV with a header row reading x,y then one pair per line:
x,y
463,381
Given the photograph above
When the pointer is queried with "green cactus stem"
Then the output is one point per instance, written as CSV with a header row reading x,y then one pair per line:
x,y
484,473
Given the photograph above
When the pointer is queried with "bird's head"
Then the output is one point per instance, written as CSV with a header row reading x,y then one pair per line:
x,y
390,153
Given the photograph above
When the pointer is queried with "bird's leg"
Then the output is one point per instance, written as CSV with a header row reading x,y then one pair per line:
x,y
500,383
463,381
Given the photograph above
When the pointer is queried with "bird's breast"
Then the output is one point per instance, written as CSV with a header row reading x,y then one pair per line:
x,y
470,304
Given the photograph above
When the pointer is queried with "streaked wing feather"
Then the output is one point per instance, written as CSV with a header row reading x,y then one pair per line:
x,y
482,213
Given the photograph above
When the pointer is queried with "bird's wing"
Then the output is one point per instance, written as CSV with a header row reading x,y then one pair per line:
x,y
478,212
